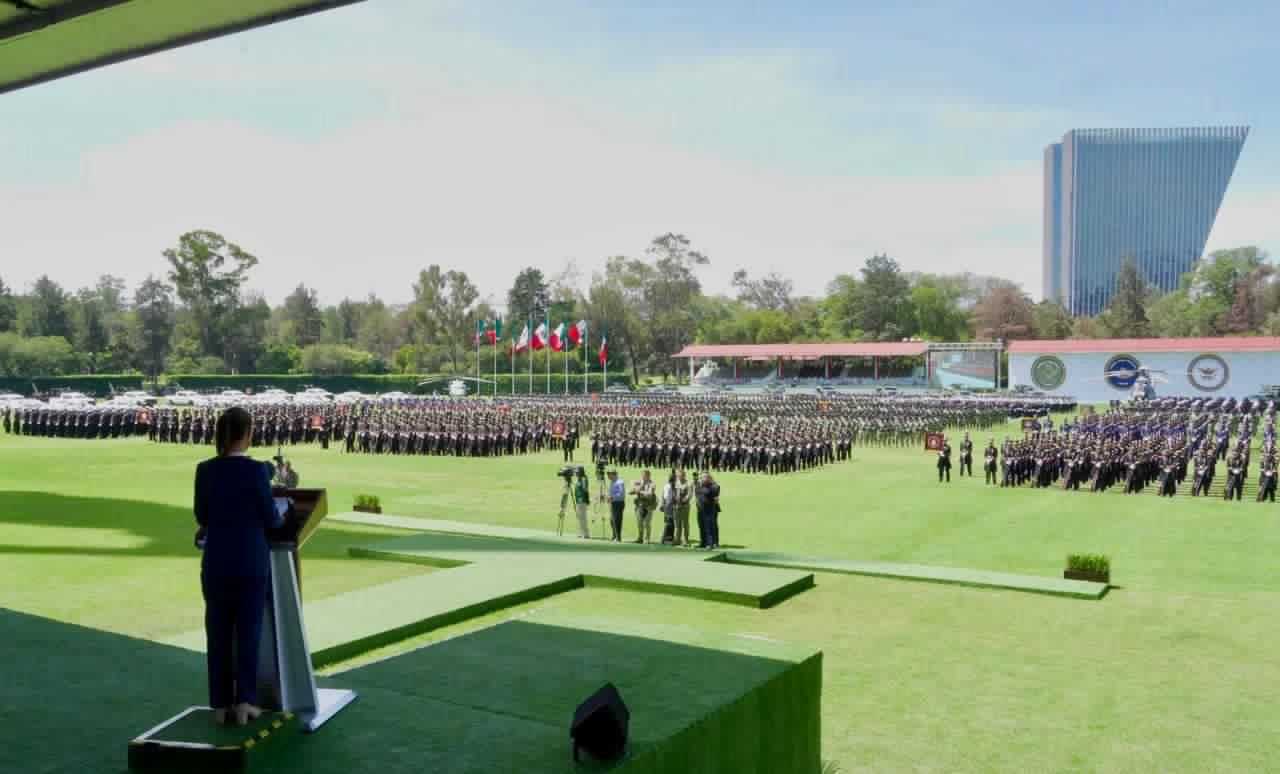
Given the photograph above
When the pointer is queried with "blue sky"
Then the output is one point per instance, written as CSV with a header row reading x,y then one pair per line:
x,y
350,148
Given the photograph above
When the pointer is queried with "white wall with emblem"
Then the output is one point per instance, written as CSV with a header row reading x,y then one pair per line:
x,y
1187,373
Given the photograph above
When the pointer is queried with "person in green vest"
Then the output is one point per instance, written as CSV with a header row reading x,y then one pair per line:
x,y
581,497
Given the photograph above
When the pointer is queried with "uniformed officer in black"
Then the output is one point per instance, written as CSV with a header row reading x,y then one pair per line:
x,y
944,462
990,458
966,456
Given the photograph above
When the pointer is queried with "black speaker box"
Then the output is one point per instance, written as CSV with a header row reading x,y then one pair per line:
x,y
600,725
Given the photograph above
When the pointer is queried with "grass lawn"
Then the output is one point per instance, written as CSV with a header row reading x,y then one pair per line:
x,y
1173,670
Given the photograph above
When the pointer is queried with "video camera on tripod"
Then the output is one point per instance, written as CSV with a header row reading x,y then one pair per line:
x,y
566,474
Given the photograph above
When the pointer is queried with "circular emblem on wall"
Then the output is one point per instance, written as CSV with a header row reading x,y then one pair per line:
x,y
1048,372
1208,372
1121,371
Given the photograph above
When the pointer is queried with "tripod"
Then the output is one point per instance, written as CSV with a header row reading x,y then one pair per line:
x,y
599,506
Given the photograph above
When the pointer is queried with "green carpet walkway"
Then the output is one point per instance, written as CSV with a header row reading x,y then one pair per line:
x,y
919,572
491,573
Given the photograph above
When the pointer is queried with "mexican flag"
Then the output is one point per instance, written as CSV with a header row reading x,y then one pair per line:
x,y
604,349
558,339
495,333
523,343
480,324
577,333
540,336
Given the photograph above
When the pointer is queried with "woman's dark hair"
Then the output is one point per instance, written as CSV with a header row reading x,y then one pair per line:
x,y
232,425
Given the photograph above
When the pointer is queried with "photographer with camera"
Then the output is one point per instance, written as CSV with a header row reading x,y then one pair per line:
x,y
646,495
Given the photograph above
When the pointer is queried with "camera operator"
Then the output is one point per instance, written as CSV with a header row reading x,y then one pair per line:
x,y
581,497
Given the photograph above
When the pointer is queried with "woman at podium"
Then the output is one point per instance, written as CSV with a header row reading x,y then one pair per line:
x,y
234,507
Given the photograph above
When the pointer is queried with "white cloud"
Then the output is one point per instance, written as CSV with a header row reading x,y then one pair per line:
x,y
491,185
1247,217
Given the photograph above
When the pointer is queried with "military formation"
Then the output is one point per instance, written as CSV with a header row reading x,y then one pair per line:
x,y
1167,446
747,433
88,422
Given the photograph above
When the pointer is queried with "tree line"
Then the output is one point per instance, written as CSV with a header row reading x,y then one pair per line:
x,y
198,317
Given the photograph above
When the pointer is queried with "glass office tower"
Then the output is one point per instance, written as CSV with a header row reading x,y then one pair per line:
x,y
1148,194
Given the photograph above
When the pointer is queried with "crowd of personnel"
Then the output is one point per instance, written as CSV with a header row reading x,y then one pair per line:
x,y
1134,447
757,434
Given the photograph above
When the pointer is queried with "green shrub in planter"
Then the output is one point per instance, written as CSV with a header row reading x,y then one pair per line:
x,y
1095,563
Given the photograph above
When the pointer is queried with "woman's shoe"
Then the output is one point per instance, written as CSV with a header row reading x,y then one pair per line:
x,y
246,712
221,716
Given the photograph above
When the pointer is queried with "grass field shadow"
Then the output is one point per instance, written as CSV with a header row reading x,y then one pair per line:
x,y
40,523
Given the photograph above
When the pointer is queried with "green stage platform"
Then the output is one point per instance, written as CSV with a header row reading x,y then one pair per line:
x,y
490,573
929,573
499,699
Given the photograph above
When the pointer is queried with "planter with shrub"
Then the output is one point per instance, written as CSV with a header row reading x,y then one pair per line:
x,y
367,504
1088,567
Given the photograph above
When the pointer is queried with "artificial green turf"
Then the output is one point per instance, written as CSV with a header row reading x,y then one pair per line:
x,y
1173,672
496,700
491,573
928,573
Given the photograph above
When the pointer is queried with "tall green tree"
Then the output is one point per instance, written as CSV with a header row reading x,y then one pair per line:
x,y
1125,315
8,309
303,319
772,291
1051,320
89,333
613,304
883,309
207,273
46,310
529,296
425,310
457,314
156,317
670,295
840,308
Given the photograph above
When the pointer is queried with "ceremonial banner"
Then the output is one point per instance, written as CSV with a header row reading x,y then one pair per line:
x,y
1029,425
317,422
933,442
558,429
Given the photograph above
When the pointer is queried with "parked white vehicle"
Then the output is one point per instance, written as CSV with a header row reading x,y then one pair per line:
x,y
188,398
351,396
390,396
9,397
141,396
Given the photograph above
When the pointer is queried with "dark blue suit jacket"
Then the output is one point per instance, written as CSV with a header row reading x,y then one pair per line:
x,y
233,503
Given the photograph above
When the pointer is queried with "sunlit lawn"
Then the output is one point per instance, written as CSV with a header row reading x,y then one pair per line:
x,y
1173,670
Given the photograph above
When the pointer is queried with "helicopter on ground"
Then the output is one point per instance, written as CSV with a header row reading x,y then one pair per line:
x,y
458,386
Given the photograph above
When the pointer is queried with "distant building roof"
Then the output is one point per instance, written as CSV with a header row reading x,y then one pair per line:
x,y
807,351
1065,346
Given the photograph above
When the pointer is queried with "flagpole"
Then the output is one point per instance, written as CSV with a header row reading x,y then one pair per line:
x,y
532,335
512,355
478,352
495,359
546,323
566,364
586,358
